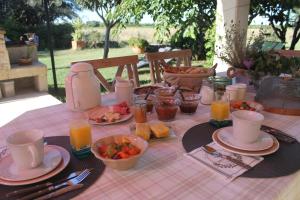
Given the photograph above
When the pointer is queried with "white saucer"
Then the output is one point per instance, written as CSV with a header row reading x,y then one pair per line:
x,y
9,171
268,151
65,159
225,135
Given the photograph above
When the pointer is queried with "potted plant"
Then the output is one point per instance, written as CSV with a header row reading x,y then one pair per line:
x,y
138,45
78,42
27,59
252,63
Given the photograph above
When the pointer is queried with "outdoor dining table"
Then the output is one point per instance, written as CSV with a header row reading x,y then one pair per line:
x,y
164,172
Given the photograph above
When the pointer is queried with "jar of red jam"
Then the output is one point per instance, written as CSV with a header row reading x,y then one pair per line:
x,y
166,103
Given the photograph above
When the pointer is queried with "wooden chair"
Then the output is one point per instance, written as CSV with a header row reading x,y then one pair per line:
x,y
289,53
158,59
129,62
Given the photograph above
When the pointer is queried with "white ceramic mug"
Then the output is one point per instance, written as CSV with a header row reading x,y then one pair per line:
x,y
124,90
26,148
246,125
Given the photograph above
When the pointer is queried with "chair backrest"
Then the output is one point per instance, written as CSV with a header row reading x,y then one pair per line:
x,y
289,53
130,62
158,59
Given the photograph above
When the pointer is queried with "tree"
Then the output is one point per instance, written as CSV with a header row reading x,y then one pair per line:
x,y
31,12
190,19
281,16
113,13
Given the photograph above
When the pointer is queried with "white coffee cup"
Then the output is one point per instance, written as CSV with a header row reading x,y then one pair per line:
x,y
26,148
246,125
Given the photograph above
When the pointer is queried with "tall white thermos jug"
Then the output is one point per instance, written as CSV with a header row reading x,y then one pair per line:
x,y
82,88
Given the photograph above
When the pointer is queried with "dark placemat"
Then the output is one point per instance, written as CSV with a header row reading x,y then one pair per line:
x,y
74,165
283,162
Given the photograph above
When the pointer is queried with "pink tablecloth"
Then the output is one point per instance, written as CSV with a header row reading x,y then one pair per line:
x,y
163,172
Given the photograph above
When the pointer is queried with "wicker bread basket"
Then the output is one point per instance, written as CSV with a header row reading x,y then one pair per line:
x,y
189,78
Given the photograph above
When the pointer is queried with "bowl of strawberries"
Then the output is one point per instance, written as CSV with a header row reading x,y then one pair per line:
x,y
119,152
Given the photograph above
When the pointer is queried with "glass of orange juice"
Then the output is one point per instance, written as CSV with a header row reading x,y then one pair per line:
x,y
80,137
220,107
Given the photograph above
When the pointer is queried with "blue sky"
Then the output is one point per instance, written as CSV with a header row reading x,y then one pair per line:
x,y
87,15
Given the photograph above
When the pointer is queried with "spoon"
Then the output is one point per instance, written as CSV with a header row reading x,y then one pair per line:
x,y
148,93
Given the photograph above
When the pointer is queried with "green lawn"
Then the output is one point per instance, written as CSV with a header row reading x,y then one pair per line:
x,y
63,58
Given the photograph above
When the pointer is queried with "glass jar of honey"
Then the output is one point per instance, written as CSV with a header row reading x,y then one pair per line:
x,y
140,111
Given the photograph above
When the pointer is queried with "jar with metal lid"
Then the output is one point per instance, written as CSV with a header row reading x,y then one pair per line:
x,y
219,83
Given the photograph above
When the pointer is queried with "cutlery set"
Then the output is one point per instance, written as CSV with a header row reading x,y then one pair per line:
x,y
214,152
50,190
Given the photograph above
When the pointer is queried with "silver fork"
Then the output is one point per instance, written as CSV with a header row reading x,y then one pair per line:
x,y
214,152
73,181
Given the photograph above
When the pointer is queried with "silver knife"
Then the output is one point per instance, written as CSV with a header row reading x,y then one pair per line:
x,y
70,182
60,192
41,186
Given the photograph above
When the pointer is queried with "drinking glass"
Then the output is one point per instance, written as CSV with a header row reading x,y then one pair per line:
x,y
80,137
220,108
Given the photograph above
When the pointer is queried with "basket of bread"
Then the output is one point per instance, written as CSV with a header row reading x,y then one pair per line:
x,y
189,78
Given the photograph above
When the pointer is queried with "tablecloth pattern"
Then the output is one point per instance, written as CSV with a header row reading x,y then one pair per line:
x,y
164,172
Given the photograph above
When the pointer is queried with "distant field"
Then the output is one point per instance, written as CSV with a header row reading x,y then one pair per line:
x,y
148,33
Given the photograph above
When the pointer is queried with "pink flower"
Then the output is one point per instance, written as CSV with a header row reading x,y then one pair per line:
x,y
248,63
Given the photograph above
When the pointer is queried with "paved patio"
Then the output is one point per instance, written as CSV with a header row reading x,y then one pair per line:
x,y
11,108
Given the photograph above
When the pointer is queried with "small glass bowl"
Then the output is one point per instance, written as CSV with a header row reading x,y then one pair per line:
x,y
190,102
166,103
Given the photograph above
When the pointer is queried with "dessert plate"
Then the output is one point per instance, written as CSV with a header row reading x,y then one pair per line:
x,y
9,171
272,149
122,119
98,111
65,159
225,135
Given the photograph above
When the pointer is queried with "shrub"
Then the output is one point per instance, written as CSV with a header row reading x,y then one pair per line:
x,y
61,34
210,39
93,39
138,42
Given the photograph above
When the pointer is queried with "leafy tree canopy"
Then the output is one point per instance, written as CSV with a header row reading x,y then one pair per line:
x,y
188,18
31,12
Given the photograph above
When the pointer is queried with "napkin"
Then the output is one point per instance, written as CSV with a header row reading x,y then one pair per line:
x,y
226,169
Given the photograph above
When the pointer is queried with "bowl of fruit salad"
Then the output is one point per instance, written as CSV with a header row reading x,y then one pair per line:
x,y
119,152
246,105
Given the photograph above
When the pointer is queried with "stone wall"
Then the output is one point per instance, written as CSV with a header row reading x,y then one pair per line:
x,y
4,59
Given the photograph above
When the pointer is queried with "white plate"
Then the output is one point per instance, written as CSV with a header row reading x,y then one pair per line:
x,y
123,118
64,162
98,111
10,172
268,151
265,141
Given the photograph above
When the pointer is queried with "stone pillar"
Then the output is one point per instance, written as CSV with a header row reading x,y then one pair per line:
x,y
4,59
229,11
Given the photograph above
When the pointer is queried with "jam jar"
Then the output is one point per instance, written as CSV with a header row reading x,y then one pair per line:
x,y
166,103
